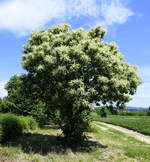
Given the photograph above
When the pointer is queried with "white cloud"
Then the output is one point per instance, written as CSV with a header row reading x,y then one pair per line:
x,y
24,16
3,92
79,8
115,11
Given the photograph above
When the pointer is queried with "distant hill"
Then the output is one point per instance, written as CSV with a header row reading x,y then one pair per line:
x,y
136,108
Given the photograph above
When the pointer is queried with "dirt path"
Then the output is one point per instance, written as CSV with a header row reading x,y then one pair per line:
x,y
131,133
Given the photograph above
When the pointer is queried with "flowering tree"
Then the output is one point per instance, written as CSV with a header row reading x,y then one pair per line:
x,y
70,69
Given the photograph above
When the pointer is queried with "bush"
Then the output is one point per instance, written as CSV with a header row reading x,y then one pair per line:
x,y
12,126
29,123
32,123
103,112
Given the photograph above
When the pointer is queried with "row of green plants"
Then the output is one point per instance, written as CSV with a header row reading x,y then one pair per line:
x,y
138,123
135,113
12,126
103,112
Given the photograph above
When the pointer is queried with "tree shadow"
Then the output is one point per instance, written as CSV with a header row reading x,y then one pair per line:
x,y
44,144
52,126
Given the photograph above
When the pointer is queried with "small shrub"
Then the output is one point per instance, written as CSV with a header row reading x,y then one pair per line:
x,y
103,112
12,127
25,123
29,123
97,111
32,124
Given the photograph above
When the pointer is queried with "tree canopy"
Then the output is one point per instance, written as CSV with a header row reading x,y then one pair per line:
x,y
19,99
69,69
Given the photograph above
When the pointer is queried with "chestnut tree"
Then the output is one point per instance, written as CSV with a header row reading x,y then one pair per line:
x,y
69,69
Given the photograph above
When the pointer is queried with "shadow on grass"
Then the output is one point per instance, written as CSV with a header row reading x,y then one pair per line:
x,y
52,126
44,144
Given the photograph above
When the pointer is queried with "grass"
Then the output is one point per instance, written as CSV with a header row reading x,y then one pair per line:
x,y
126,147
138,123
104,144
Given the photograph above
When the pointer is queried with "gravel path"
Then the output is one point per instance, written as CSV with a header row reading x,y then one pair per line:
x,y
131,133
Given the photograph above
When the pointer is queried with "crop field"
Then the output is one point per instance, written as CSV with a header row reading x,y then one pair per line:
x,y
138,123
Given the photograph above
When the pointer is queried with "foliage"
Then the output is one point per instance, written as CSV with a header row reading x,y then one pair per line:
x,y
8,107
137,123
29,123
0,102
122,112
1,133
101,111
13,126
67,70
148,112
134,113
20,102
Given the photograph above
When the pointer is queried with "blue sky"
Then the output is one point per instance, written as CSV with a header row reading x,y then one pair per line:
x,y
127,23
